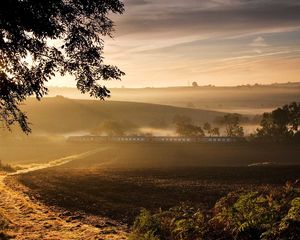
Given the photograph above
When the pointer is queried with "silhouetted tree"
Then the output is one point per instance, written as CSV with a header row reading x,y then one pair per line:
x,y
211,131
184,127
207,128
215,131
282,123
194,84
293,110
110,128
190,130
41,38
231,122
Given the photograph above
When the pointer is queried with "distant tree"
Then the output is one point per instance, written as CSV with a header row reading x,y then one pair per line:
x,y
190,130
211,131
207,128
110,128
293,110
41,38
282,123
184,127
215,131
231,122
195,84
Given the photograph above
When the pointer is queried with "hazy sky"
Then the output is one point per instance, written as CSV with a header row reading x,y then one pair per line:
x,y
219,42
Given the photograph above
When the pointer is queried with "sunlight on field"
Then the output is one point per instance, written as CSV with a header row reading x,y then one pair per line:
x,y
150,120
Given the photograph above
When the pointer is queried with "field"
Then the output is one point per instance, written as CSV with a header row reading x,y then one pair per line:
x,y
164,155
150,120
120,194
117,183
102,187
37,150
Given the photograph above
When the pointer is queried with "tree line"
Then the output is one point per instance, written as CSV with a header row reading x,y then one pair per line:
x,y
231,123
282,124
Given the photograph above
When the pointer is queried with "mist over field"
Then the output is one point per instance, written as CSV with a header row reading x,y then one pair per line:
x,y
150,120
246,99
108,183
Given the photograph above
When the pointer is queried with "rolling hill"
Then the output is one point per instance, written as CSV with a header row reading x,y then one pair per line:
x,y
63,115
253,99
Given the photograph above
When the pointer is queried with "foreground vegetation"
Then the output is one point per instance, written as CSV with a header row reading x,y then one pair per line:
x,y
4,224
266,215
6,167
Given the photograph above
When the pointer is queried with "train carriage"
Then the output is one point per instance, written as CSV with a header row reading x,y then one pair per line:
x,y
158,139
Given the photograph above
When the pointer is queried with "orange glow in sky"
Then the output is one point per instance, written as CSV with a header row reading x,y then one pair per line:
x,y
218,42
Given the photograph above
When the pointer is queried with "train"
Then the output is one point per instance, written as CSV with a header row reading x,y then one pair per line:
x,y
155,139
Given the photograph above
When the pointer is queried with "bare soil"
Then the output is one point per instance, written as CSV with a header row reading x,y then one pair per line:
x,y
30,219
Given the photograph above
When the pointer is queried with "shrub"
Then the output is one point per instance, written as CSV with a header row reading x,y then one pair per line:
x,y
3,226
272,214
178,223
6,167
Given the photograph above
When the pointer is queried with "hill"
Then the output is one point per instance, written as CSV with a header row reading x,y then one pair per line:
x,y
248,99
62,115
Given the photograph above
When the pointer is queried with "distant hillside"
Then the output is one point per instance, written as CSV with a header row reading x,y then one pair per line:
x,y
62,115
247,99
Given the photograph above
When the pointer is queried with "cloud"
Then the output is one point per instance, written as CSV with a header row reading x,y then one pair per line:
x,y
259,42
136,2
173,39
224,17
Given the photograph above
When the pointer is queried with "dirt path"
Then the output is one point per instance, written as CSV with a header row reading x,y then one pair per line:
x,y
33,220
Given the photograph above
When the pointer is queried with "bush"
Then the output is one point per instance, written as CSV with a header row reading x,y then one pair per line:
x,y
266,215
178,223
260,215
6,167
3,226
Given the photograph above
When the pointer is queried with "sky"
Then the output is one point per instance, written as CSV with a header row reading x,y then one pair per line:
x,y
160,43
